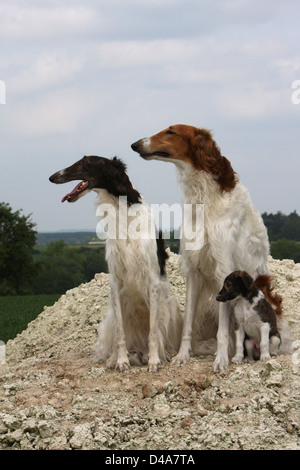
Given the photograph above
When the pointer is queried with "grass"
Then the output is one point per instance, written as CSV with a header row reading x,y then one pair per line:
x,y
17,311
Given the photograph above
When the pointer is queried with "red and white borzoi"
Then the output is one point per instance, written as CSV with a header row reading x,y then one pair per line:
x,y
235,238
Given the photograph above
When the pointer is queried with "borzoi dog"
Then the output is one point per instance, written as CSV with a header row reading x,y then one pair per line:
x,y
143,323
235,237
256,322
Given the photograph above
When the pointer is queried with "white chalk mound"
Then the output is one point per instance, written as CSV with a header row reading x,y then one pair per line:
x,y
53,396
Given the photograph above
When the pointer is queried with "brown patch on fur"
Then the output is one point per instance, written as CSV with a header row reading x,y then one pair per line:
x,y
206,156
267,314
264,283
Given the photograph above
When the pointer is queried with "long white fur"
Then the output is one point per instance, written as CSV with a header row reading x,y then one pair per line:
x,y
143,322
235,238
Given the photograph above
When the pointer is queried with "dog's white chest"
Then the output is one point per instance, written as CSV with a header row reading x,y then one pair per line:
x,y
243,310
246,315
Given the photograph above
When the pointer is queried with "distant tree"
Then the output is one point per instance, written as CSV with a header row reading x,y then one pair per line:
x,y
286,249
62,267
291,227
93,261
17,239
59,270
282,226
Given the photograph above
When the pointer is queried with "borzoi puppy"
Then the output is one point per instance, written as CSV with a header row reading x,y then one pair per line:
x,y
234,237
254,317
143,322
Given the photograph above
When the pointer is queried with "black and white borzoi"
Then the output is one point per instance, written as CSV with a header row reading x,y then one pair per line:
x,y
143,323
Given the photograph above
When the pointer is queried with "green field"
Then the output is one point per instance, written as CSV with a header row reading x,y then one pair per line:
x,y
17,311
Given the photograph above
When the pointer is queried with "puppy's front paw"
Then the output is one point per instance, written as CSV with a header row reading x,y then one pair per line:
x,y
237,359
265,357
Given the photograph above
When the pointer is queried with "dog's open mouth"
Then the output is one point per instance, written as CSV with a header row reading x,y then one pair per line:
x,y
155,154
72,196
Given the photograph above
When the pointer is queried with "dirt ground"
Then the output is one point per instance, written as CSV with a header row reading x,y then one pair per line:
x,y
54,396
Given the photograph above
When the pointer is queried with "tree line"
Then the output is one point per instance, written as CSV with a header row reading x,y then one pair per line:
x,y
284,235
284,226
57,267
53,269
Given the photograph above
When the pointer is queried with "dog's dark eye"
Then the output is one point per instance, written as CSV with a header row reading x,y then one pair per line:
x,y
169,132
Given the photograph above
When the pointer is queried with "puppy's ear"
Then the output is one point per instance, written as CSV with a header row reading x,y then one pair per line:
x,y
247,281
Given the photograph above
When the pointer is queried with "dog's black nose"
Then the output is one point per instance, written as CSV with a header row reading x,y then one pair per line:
x,y
52,178
135,145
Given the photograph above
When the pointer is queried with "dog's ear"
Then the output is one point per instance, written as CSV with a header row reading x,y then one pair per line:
x,y
119,164
247,281
207,156
205,148
119,182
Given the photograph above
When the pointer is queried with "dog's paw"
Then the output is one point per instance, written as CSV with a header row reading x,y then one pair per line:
x,y
111,363
237,359
265,357
154,366
181,358
122,366
221,363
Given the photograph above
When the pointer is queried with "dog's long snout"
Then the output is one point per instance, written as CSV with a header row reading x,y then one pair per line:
x,y
57,177
136,145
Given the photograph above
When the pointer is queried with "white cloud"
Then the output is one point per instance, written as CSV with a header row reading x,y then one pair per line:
x,y
58,112
122,54
30,22
95,76
253,101
51,68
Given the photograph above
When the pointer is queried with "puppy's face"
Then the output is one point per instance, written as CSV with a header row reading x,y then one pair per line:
x,y
228,292
235,285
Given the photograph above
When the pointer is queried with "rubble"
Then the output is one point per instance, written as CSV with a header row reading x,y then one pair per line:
x,y
54,396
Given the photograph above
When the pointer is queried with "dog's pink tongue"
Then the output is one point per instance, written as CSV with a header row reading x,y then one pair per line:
x,y
72,193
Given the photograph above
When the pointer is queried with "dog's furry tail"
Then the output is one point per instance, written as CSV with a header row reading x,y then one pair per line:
x,y
264,283
162,255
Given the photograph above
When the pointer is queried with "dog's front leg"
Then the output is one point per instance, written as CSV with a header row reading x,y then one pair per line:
x,y
239,345
264,342
122,363
192,288
153,340
222,360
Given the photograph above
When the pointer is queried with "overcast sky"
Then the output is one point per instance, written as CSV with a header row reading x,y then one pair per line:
x,y
90,78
